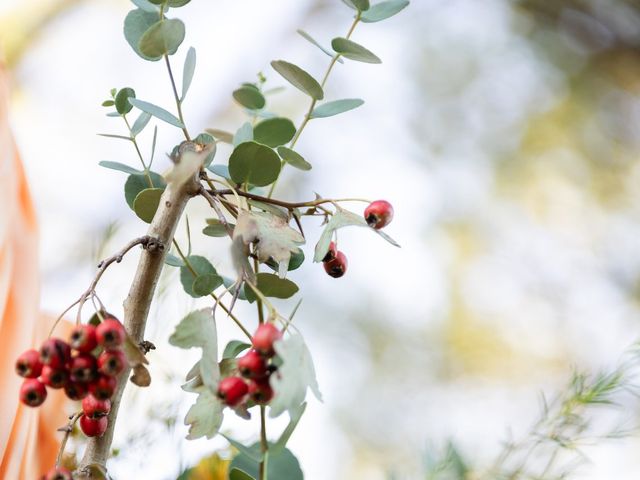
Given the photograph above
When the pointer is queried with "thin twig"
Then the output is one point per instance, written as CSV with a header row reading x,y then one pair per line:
x,y
67,429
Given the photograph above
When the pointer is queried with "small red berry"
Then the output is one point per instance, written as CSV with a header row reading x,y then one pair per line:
x,y
338,266
379,214
110,333
232,390
252,365
103,387
83,368
76,390
58,473
112,362
83,338
264,337
54,377
331,253
55,353
92,407
28,364
93,427
33,393
260,391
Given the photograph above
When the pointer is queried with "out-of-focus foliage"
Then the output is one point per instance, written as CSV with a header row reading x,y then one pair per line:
x,y
212,467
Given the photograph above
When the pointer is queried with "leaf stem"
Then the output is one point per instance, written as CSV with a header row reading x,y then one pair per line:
x,y
288,205
67,429
135,144
177,97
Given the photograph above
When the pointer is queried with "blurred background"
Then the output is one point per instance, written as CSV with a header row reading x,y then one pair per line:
x,y
505,133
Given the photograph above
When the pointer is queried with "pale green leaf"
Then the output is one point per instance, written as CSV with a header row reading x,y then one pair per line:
x,y
162,38
271,285
311,40
383,10
136,23
274,131
293,158
157,112
254,163
300,79
140,123
119,166
188,70
146,203
205,416
353,51
336,107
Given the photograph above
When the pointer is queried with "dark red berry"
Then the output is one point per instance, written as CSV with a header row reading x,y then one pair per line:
x,y
58,473
338,266
264,337
260,391
252,365
54,377
112,362
76,390
33,393
103,387
55,353
93,427
83,338
110,333
379,214
83,368
92,407
232,390
28,364
331,253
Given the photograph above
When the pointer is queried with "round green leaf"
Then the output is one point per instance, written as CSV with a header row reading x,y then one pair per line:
x,y
163,37
138,182
283,465
353,51
122,100
250,98
177,3
205,284
146,203
274,131
294,158
254,163
202,267
299,78
136,23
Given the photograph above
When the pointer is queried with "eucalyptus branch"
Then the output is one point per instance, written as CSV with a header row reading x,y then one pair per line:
x,y
216,207
287,205
176,97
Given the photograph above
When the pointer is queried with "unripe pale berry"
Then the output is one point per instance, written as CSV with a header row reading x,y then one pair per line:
x,y
83,338
76,390
93,407
54,377
264,337
83,368
112,362
55,353
379,214
93,427
338,266
110,333
252,365
331,253
28,364
103,387
260,391
58,473
232,390
33,393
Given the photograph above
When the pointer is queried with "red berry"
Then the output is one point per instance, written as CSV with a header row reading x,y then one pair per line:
x,y
83,368
58,473
33,393
264,337
338,266
93,427
76,390
331,253
252,365
54,377
379,214
28,364
103,387
83,338
55,353
232,390
92,407
260,391
110,333
112,362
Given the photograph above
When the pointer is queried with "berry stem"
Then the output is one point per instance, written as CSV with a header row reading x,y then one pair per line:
x,y
264,444
67,429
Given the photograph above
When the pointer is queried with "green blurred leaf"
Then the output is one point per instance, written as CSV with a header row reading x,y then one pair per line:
x,y
157,112
146,203
220,135
297,259
234,348
274,131
383,10
279,467
122,100
237,474
361,5
215,229
271,286
119,166
108,103
295,416
243,134
220,170
174,261
137,182
205,416
202,266
250,98
336,107
250,452
205,284
311,40
188,70
136,23
119,137
294,159
162,38
353,51
300,79
140,123
177,3
254,163
146,5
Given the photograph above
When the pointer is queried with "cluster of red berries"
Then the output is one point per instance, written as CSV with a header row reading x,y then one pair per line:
x,y
377,215
255,368
86,368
